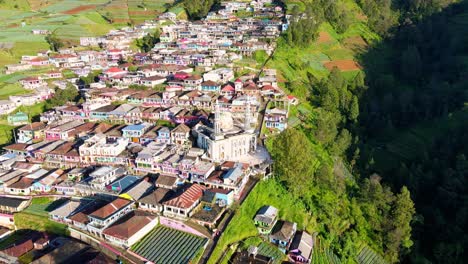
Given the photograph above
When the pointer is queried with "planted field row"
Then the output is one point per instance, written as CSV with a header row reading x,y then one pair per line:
x,y
324,256
369,256
165,245
271,251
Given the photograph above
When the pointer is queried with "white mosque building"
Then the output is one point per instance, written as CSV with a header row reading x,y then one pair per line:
x,y
225,141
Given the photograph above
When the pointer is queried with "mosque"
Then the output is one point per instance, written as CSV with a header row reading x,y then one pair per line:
x,y
226,141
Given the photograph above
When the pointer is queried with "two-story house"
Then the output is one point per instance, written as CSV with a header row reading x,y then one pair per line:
x,y
107,215
266,219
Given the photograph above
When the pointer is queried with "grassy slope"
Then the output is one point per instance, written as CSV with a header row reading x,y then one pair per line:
x,y
36,217
268,192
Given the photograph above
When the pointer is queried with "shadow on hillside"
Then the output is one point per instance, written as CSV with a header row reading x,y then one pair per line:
x,y
418,79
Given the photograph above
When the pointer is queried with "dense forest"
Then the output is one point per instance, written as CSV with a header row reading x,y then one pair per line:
x,y
417,85
413,89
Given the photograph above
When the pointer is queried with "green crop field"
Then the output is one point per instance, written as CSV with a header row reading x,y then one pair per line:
x,y
368,256
42,206
26,220
7,89
166,245
69,19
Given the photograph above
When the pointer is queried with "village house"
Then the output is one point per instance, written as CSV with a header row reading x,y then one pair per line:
x,y
110,213
276,118
266,219
12,68
134,132
152,81
282,234
6,107
19,118
180,135
62,131
64,156
40,32
31,133
301,247
10,205
104,176
51,75
219,75
26,99
23,186
32,82
92,41
130,229
153,201
182,205
210,86
68,209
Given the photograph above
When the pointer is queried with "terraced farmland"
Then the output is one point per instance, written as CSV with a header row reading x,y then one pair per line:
x,y
166,245
369,256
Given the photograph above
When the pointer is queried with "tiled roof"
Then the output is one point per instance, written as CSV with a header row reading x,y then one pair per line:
x,y
111,208
129,225
33,126
63,149
166,180
158,196
181,128
20,248
209,83
22,183
188,197
284,231
11,202
17,146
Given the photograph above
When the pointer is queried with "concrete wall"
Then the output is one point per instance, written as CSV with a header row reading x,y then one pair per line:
x,y
171,223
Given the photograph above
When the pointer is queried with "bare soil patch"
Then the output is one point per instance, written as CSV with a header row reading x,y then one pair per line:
x,y
79,9
343,65
361,17
141,12
14,25
355,43
324,37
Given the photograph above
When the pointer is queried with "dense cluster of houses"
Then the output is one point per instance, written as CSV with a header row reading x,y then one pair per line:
x,y
183,148
284,234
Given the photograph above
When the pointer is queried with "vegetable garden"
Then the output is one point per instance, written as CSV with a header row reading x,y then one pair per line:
x,y
166,245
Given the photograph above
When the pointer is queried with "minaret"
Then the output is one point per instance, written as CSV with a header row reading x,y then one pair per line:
x,y
248,114
217,126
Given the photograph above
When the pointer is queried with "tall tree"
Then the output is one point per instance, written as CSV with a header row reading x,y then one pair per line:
x,y
294,160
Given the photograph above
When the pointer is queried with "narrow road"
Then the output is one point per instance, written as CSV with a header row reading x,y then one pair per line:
x,y
225,222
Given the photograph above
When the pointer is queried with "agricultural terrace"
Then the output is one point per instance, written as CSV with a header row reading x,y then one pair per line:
x,y
69,19
166,245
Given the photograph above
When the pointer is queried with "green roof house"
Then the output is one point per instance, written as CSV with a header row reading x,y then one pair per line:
x,y
265,219
19,118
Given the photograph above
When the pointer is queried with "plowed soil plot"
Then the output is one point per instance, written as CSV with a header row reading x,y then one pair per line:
x,y
324,37
355,43
343,65
79,9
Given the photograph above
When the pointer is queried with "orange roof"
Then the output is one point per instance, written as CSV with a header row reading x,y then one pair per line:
x,y
129,225
34,126
111,208
17,146
114,69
